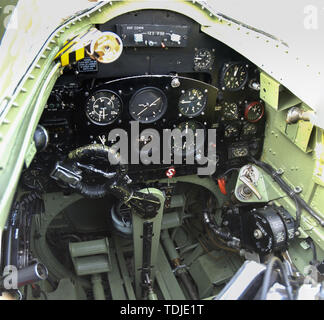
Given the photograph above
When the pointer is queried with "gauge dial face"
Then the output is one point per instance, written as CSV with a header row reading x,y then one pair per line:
x,y
249,129
240,152
231,131
188,147
230,111
148,105
203,59
192,103
234,76
254,111
103,107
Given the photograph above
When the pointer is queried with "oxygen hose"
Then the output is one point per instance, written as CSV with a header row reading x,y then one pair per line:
x,y
93,151
300,203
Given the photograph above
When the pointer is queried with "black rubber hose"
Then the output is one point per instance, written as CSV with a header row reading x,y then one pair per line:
x,y
92,192
312,245
298,214
93,151
267,277
284,186
226,236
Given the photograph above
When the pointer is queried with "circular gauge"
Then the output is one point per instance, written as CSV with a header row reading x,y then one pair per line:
x,y
192,103
148,105
103,107
249,129
186,147
254,111
239,152
230,111
234,76
231,131
203,60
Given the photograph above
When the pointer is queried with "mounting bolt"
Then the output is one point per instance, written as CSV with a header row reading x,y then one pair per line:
x,y
175,83
257,234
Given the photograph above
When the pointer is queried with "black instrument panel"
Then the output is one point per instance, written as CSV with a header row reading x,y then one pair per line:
x,y
170,75
156,99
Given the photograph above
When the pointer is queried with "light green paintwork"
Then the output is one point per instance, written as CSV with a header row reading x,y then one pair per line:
x,y
265,187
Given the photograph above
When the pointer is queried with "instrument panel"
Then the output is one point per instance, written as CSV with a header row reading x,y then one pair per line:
x,y
154,99
170,75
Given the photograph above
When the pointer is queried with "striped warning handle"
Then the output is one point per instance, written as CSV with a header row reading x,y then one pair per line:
x,y
75,48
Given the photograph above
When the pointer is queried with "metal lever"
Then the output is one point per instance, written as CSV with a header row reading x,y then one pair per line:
x,y
250,185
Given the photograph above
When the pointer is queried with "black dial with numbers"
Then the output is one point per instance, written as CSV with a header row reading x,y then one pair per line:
x,y
230,111
103,107
203,60
192,102
231,131
234,76
148,105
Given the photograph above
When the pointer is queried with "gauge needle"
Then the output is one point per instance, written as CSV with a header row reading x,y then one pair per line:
x,y
236,70
142,111
154,102
183,101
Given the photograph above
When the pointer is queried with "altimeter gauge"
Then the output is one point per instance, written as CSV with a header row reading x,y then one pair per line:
x,y
103,107
192,102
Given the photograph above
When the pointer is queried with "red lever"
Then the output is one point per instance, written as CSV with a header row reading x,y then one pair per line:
x,y
222,185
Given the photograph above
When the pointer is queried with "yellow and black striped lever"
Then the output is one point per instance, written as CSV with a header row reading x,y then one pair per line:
x,y
105,47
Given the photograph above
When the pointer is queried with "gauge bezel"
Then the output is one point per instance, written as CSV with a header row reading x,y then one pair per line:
x,y
202,109
110,122
164,106
249,107
224,69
